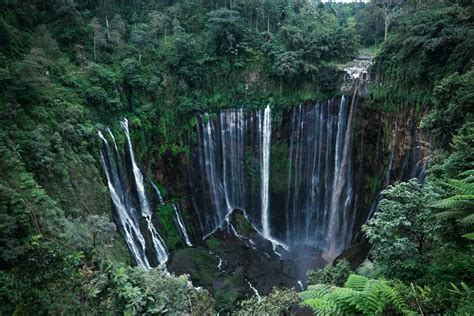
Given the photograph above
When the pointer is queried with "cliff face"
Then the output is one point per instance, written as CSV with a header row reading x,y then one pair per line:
x,y
325,166
386,147
391,148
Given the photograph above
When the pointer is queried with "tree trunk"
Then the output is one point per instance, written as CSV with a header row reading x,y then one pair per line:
x,y
256,21
107,26
95,54
386,12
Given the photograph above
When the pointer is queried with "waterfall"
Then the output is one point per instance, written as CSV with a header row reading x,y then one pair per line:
x,y
144,241
265,170
124,214
177,218
144,205
226,147
231,170
320,180
180,225
255,291
157,192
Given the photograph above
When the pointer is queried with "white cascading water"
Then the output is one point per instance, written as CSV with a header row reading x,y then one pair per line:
x,y
231,170
341,216
255,291
180,225
144,204
158,243
320,180
128,216
177,218
265,171
124,215
157,192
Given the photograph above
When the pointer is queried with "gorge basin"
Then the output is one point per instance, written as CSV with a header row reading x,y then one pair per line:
x,y
237,259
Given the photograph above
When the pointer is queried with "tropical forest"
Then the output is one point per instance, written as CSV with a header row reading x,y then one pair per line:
x,y
236,157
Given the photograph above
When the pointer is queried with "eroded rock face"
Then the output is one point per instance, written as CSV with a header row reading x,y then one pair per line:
x,y
387,147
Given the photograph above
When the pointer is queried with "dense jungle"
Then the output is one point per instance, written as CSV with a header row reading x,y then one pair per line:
x,y
236,157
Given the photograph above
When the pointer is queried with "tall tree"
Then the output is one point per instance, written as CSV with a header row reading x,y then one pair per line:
x,y
390,8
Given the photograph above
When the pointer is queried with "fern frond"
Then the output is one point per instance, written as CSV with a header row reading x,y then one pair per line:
x,y
469,179
468,220
307,295
468,174
469,236
375,297
356,282
320,287
320,306
457,201
451,214
360,296
396,300
345,300
460,186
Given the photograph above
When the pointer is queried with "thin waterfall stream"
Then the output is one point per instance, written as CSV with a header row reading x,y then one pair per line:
x,y
143,240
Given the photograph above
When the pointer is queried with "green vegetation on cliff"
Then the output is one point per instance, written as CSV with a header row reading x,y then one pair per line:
x,y
69,68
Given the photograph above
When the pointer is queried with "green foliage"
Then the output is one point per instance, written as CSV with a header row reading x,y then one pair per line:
x,y
370,26
426,44
70,67
24,291
165,214
466,295
452,105
225,33
137,291
460,158
278,302
404,230
335,274
460,205
359,295
213,243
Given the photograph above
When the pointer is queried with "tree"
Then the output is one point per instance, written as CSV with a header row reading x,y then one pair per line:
x,y
404,230
370,24
138,291
390,8
159,24
98,36
225,34
336,274
117,29
278,302
452,104
286,66
101,228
